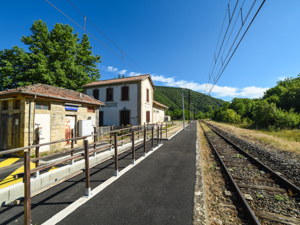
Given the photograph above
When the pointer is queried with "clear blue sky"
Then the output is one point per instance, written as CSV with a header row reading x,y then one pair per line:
x,y
175,41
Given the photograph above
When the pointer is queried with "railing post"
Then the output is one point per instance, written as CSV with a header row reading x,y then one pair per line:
x,y
87,169
27,198
72,145
37,152
157,135
166,130
110,136
132,147
161,135
95,139
144,154
122,135
116,155
152,140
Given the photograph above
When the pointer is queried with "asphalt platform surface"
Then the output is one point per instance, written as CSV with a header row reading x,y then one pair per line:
x,y
159,190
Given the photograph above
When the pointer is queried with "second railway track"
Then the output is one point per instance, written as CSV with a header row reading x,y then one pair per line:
x,y
267,197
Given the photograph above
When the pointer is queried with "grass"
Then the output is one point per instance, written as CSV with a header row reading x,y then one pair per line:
x,y
288,140
278,198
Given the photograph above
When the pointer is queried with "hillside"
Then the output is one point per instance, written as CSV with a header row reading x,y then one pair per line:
x,y
171,97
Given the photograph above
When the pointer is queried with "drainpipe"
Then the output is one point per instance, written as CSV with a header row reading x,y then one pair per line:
x,y
29,124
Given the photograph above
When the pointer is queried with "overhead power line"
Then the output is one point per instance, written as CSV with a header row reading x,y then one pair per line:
x,y
238,44
84,29
225,63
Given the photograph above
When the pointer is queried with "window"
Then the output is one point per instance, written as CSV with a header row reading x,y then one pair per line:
x,y
109,94
148,116
90,109
125,93
17,104
42,105
96,94
5,105
147,95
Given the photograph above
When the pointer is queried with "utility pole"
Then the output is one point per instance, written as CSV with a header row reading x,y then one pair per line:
x,y
190,104
183,110
191,112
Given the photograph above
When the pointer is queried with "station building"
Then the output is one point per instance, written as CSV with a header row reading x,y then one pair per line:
x,y
127,100
49,110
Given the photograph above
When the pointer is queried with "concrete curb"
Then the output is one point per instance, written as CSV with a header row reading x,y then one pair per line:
x,y
68,210
200,211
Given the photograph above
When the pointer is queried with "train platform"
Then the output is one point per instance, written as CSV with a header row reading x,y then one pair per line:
x,y
157,190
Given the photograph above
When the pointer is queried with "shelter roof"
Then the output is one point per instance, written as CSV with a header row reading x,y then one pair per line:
x,y
119,80
48,91
155,103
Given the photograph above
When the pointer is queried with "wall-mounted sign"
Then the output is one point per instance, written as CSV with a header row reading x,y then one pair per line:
x,y
115,104
71,108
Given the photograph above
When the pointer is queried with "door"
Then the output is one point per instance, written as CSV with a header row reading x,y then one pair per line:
x,y
3,131
69,125
100,118
124,117
15,132
148,116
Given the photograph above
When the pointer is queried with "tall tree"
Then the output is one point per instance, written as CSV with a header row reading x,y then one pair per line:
x,y
57,57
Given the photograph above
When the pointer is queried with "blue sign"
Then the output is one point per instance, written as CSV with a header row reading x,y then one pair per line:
x,y
71,108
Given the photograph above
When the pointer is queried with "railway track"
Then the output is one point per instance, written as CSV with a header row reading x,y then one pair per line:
x,y
267,197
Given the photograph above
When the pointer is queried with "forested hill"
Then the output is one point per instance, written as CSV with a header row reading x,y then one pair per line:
x,y
172,97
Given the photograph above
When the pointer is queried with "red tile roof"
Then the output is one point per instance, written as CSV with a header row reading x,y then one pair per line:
x,y
119,80
159,104
48,91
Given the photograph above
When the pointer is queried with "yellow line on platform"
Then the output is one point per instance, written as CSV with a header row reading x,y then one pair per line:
x,y
8,161
10,180
53,168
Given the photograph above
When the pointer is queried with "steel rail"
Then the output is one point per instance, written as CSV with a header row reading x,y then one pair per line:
x,y
249,211
282,180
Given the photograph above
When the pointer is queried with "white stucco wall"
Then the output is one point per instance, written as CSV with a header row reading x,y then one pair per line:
x,y
111,113
158,115
146,106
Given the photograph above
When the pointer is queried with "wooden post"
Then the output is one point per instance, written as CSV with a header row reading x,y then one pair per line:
x,y
161,134
144,154
27,198
122,135
116,155
138,132
72,145
152,140
157,135
95,139
110,136
167,130
132,147
37,152
87,169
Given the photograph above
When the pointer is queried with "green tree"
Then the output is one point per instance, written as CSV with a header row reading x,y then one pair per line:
x,y
57,57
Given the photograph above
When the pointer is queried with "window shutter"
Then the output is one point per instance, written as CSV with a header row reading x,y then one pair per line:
x,y
109,94
125,93
148,116
96,94
147,95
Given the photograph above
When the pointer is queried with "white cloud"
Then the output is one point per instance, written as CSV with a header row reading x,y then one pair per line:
x,y
217,91
114,70
123,72
132,74
281,78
